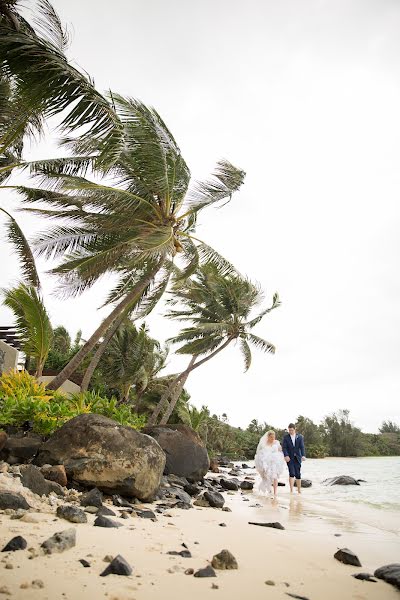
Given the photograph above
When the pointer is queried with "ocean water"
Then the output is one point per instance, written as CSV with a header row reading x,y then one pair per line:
x,y
381,489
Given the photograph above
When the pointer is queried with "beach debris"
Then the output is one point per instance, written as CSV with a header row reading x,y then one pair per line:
x,y
224,560
306,483
92,498
71,513
347,557
296,596
55,473
104,511
364,577
274,525
12,500
186,454
183,553
341,480
105,522
60,541
84,563
206,572
118,566
214,499
16,543
389,573
270,582
246,485
229,484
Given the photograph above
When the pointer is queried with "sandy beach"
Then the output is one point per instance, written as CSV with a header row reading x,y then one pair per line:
x,y
299,560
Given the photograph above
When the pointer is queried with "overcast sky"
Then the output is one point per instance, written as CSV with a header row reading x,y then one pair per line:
x,y
304,95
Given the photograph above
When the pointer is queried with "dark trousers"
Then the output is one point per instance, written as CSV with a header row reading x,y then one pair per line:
x,y
294,468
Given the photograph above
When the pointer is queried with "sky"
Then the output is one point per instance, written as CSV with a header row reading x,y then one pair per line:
x,y
304,96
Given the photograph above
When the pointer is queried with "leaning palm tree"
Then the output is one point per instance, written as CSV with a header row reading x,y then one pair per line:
x,y
133,223
37,82
131,360
218,306
32,322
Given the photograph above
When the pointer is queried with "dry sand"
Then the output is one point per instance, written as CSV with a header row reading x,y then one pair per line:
x,y
298,560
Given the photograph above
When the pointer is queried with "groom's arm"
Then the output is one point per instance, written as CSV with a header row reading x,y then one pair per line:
x,y
284,447
302,448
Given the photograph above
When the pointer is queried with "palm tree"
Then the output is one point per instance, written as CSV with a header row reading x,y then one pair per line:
x,y
132,359
32,322
37,81
218,306
17,238
196,419
133,227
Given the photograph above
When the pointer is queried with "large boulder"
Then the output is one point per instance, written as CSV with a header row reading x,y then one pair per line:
x,y
97,451
20,448
186,454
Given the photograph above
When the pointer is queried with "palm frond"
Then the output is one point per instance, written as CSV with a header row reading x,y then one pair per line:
x,y
246,352
260,344
275,304
17,238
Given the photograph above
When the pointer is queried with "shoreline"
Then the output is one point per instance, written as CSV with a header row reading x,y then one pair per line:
x,y
301,556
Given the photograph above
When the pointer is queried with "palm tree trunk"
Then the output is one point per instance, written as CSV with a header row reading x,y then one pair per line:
x,y
163,402
173,399
74,363
100,351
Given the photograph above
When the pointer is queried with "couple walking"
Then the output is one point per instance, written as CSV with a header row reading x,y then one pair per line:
x,y
270,459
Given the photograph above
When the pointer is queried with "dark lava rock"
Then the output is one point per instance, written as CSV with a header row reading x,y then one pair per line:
x,y
32,478
121,502
246,485
222,524
3,439
17,543
341,480
189,571
206,572
176,480
192,489
229,484
347,557
362,480
145,514
274,525
186,454
183,553
281,484
104,511
364,577
118,566
20,449
224,560
306,483
55,473
63,540
214,499
84,563
71,513
92,498
12,500
98,452
244,466
389,573
296,596
180,494
105,522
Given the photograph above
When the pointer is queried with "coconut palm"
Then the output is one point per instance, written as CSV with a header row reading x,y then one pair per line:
x,y
132,359
133,223
218,306
37,81
196,419
32,322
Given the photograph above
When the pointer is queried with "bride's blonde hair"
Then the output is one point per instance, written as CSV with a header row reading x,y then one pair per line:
x,y
270,433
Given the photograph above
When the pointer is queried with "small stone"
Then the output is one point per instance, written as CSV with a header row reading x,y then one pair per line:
x,y
5,590
105,522
189,571
347,557
229,484
183,553
37,584
118,566
121,502
222,524
246,485
63,540
226,509
84,563
104,511
296,596
24,585
16,543
215,499
92,510
145,514
364,577
214,586
12,500
389,573
274,525
224,560
8,566
270,582
124,515
72,514
201,502
206,572
108,558
92,498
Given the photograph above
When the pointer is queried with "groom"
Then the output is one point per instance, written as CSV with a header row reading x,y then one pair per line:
x,y
294,453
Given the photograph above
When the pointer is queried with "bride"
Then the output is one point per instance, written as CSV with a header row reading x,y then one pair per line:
x,y
269,463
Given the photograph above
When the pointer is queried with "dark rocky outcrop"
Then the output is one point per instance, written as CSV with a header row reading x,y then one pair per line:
x,y
97,451
186,454
224,560
347,557
341,480
12,500
390,574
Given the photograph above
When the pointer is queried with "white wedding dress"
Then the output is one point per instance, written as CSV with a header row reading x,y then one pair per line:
x,y
269,463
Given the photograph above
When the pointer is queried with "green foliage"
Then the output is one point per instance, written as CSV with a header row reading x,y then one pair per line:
x,y
23,400
389,427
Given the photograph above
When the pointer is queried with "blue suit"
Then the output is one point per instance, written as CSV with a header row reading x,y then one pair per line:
x,y
295,453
